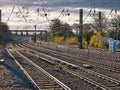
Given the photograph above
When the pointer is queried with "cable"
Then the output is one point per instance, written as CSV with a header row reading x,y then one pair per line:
x,y
19,11
22,14
110,13
45,14
61,13
11,13
66,12
87,15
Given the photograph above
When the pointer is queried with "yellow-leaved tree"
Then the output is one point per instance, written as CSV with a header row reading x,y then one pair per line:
x,y
72,40
58,40
95,40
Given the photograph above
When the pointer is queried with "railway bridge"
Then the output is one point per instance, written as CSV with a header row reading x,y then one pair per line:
x,y
31,34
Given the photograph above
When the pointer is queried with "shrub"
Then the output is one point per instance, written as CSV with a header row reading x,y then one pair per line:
x,y
71,41
95,40
58,40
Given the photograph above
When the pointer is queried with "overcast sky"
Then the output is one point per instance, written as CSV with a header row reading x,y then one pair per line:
x,y
53,8
108,4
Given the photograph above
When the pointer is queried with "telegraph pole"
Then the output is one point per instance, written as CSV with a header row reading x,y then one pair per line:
x,y
100,21
0,25
81,28
0,16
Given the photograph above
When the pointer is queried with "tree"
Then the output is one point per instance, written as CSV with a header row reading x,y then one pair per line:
x,y
3,32
72,41
58,40
88,32
76,28
59,28
96,24
95,40
115,25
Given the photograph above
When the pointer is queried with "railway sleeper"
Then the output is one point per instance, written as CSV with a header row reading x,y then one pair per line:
x,y
87,80
71,67
47,84
110,85
49,87
109,80
64,64
51,62
118,84
115,88
105,78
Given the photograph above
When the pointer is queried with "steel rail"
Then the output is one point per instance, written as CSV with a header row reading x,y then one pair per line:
x,y
89,71
45,72
24,71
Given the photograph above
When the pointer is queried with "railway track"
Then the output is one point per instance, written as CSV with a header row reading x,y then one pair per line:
x,y
72,81
84,53
38,76
80,60
100,54
99,80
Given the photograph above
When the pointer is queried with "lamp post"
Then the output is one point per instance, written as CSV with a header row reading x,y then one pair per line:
x,y
35,34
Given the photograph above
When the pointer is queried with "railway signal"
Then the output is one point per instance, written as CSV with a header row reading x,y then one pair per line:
x,y
35,34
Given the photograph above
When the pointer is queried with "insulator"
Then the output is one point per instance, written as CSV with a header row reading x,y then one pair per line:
x,y
38,10
68,14
116,11
45,14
